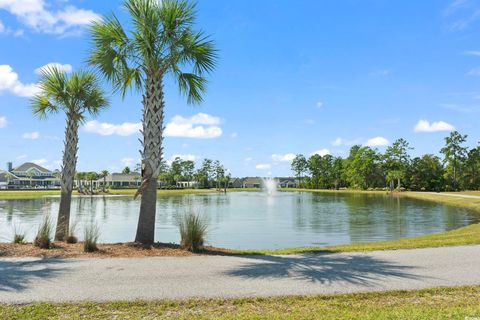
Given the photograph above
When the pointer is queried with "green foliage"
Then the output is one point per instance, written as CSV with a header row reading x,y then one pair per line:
x,y
18,235
162,41
366,168
43,238
91,236
193,230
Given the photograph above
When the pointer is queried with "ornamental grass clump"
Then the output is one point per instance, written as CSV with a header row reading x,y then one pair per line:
x,y
43,239
193,231
91,235
71,238
18,235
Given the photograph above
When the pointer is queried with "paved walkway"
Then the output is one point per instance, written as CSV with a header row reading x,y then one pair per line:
x,y
28,280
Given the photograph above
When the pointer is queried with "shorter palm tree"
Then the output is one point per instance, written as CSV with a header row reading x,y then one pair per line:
x,y
30,176
104,175
75,95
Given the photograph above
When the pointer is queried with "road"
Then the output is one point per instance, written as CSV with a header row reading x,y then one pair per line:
x,y
70,280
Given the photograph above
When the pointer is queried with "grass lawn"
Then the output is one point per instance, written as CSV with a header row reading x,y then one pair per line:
x,y
446,303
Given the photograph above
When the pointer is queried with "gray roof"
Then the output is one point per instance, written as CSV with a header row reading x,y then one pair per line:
x,y
28,165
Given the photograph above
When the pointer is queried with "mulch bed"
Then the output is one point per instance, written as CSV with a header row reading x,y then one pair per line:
x,y
126,250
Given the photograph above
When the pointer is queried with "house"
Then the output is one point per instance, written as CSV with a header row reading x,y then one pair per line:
x,y
29,175
236,183
252,182
287,182
187,184
119,180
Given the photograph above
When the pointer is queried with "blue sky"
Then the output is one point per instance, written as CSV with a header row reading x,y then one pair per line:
x,y
293,77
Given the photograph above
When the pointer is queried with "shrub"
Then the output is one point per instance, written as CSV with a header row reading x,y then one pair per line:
x,y
91,234
18,235
193,230
44,234
71,238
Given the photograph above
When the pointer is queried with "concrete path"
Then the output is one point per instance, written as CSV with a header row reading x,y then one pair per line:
x,y
57,280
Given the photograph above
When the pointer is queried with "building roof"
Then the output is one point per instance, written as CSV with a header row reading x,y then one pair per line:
x,y
29,165
3,176
253,180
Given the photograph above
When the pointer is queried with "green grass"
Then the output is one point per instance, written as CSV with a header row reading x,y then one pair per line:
x,y
446,303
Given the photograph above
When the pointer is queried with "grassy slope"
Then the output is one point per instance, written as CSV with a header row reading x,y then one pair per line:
x,y
446,303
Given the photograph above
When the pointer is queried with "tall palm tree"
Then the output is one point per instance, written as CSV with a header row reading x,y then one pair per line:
x,y
75,95
104,175
161,42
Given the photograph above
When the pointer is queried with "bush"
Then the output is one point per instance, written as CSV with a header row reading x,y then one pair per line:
x,y
18,235
44,234
71,238
91,234
193,230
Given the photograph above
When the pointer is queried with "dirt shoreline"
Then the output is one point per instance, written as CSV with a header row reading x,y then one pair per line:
x,y
118,250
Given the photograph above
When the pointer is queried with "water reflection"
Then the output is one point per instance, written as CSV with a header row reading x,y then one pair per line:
x,y
253,220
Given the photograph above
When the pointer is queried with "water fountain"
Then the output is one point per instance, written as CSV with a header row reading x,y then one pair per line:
x,y
269,186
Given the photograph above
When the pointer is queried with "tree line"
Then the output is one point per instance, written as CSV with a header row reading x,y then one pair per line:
x,y
367,168
211,173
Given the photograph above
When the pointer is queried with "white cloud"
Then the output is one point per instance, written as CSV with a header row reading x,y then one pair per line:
x,y
199,126
108,129
3,122
472,53
309,121
23,156
283,157
381,73
319,104
263,166
2,27
9,83
343,142
202,126
474,72
248,159
377,142
127,162
37,15
425,126
62,67
31,135
321,152
234,135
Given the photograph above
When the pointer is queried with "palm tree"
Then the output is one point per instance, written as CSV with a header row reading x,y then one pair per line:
x,y
8,176
162,42
30,175
104,175
75,95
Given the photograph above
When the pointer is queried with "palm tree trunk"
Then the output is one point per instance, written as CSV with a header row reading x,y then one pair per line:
x,y
153,106
68,175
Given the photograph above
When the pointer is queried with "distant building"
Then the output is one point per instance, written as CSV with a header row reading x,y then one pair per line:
x,y
287,182
28,175
120,180
252,182
187,184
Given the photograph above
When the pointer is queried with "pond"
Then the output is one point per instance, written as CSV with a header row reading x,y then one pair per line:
x,y
252,220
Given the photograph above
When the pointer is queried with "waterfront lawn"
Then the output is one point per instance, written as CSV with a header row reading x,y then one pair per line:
x,y
442,303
